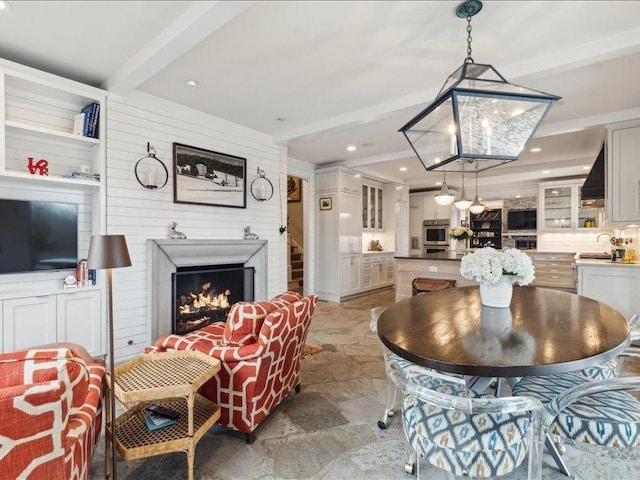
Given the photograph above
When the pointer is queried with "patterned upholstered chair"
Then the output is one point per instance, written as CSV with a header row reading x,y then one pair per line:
x,y
463,432
583,411
260,350
611,368
50,412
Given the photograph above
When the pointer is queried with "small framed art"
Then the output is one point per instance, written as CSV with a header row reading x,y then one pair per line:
x,y
326,203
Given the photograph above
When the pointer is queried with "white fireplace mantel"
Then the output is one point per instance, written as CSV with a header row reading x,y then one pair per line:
x,y
165,256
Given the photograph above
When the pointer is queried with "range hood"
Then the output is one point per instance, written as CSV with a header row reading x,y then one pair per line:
x,y
592,191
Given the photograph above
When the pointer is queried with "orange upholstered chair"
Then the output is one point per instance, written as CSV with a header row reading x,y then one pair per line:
x,y
50,411
260,351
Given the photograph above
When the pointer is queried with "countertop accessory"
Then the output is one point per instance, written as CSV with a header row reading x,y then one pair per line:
x,y
477,116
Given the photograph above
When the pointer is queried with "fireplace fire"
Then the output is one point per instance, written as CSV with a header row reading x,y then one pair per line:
x,y
205,295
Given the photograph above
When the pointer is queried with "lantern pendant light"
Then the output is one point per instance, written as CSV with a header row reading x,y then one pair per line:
x,y
445,197
476,116
476,207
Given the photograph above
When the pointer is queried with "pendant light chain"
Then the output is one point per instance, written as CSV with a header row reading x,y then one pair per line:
x,y
469,58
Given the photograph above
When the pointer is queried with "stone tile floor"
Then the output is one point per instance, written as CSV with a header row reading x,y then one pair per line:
x,y
329,430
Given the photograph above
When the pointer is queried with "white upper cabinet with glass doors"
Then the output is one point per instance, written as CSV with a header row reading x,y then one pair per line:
x,y
559,207
372,201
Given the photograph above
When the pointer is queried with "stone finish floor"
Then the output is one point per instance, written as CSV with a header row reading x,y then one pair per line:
x,y
329,430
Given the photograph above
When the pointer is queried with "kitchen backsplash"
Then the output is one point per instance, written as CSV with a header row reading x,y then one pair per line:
x,y
582,241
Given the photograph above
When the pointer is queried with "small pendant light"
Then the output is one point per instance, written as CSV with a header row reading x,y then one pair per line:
x,y
445,197
476,207
463,203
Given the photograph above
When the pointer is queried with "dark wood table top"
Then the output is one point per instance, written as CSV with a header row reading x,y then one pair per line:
x,y
544,331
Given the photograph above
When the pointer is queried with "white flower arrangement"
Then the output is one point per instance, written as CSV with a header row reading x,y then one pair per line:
x,y
488,266
461,233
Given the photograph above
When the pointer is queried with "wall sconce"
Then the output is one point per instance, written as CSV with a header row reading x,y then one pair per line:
x,y
147,168
261,187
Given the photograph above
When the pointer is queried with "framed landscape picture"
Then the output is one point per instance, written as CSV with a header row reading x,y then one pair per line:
x,y
204,177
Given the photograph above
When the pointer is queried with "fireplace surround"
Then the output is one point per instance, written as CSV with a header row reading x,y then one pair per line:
x,y
168,258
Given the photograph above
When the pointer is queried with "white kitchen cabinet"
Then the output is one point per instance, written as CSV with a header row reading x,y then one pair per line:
x,y
372,206
616,285
377,271
435,211
72,316
623,173
350,274
338,233
559,207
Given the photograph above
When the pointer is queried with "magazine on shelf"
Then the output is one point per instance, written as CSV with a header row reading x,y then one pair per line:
x,y
155,421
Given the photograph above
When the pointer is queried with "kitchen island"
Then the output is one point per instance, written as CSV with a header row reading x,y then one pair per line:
x,y
613,283
431,265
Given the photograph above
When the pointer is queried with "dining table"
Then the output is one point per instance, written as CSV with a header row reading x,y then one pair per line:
x,y
543,332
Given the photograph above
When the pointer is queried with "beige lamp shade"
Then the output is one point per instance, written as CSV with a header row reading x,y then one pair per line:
x,y
108,251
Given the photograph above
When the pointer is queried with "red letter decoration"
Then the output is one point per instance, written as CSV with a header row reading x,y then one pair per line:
x,y
42,167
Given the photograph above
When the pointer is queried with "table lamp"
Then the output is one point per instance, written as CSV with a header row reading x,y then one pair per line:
x,y
109,252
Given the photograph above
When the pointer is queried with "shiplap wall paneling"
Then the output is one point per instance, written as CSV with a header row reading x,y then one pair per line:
x,y
142,214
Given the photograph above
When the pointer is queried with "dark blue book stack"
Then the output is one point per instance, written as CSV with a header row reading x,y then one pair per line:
x,y
91,120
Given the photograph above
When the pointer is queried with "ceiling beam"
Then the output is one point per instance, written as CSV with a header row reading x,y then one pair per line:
x,y
195,24
611,47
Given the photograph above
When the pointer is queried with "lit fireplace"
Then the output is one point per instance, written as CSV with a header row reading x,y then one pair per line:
x,y
204,295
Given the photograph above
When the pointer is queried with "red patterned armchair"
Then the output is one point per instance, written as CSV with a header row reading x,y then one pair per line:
x,y
50,412
260,351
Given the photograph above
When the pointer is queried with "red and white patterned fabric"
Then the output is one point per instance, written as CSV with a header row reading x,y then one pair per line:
x,y
257,375
51,412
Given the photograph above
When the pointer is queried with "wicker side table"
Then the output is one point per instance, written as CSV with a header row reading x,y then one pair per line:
x,y
170,379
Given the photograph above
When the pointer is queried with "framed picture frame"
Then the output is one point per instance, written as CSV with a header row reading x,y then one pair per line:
x,y
204,177
326,203
294,189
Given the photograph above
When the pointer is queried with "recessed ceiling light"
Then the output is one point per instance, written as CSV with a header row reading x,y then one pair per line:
x,y
586,167
403,169
192,82
438,183
281,119
351,148
518,196
357,175
5,6
545,171
535,150
368,144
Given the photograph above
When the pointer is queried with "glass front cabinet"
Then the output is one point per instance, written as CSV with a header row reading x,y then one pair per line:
x,y
559,207
372,207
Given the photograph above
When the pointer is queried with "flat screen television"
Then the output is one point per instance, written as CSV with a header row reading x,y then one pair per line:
x,y
37,236
524,219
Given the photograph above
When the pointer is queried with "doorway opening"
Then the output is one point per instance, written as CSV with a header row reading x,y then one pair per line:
x,y
295,234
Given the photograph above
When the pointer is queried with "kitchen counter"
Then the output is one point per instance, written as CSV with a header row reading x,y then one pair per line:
x,y
373,252
433,256
604,263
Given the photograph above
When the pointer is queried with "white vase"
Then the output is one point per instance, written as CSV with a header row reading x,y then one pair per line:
x,y
461,247
498,295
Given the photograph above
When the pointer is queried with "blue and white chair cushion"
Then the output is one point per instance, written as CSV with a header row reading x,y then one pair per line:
x,y
478,445
604,371
610,419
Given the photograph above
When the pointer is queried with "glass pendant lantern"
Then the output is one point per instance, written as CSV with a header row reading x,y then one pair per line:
x,y
477,115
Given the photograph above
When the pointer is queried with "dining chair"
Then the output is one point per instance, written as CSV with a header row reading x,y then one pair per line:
x,y
464,432
610,369
588,413
391,387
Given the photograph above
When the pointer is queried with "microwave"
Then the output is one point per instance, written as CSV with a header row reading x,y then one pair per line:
x,y
435,232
